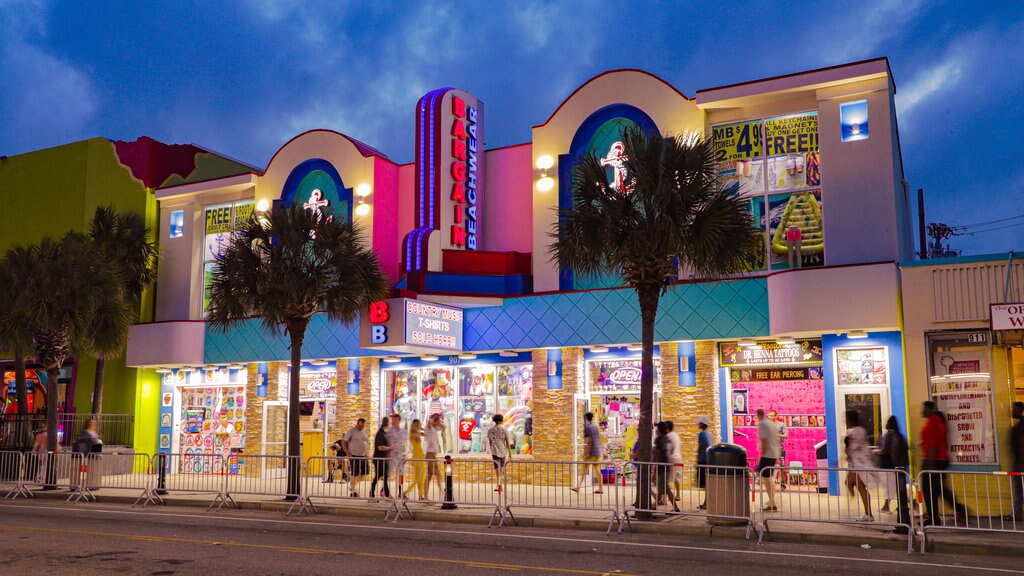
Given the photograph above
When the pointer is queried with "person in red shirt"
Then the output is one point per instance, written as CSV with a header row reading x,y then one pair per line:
x,y
935,457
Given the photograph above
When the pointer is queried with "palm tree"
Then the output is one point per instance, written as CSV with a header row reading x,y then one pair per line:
x,y
123,240
15,334
284,267
673,214
65,287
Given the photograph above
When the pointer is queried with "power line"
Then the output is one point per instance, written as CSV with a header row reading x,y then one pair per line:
x,y
965,226
973,232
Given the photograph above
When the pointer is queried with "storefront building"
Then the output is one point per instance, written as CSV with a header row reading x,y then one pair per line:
x,y
47,193
482,321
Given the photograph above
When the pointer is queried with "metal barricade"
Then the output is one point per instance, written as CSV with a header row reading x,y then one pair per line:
x,y
12,474
191,474
872,498
980,502
122,471
266,475
719,493
329,478
452,483
565,485
61,470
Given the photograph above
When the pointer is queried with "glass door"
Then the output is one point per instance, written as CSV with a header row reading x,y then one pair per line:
x,y
275,436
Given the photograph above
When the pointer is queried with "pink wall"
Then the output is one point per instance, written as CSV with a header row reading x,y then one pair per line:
x,y
406,207
508,204
386,222
796,401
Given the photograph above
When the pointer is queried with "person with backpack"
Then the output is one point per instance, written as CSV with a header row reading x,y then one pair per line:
x,y
894,455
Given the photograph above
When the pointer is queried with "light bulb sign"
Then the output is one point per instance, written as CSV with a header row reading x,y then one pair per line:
x,y
411,326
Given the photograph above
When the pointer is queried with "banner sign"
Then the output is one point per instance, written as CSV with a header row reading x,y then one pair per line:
x,y
962,390
776,374
1007,316
804,351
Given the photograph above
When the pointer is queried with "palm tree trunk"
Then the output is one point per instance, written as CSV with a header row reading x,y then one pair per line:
x,y
52,374
97,392
21,385
297,331
649,296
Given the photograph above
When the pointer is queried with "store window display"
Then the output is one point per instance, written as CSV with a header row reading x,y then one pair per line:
x,y
466,397
211,418
614,387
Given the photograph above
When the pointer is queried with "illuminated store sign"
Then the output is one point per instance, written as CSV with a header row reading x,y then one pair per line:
x,y
770,353
412,326
1007,317
449,177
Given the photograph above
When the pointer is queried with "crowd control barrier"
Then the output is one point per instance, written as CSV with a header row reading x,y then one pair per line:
x,y
969,501
12,474
453,484
562,485
803,503
262,475
721,494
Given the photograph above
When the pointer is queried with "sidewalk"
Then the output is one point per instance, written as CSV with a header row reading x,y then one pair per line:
x,y
783,531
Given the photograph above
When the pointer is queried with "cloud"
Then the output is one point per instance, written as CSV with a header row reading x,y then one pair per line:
x,y
860,32
943,75
45,99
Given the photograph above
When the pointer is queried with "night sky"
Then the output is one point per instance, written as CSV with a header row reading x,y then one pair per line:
x,y
244,77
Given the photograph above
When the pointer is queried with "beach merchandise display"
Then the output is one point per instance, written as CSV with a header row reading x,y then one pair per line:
x,y
212,423
795,227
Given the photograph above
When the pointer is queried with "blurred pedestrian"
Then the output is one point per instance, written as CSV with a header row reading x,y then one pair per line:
x,y
591,453
381,459
770,449
663,466
935,458
860,461
1017,448
398,440
894,455
498,444
434,438
419,471
703,443
675,458
355,442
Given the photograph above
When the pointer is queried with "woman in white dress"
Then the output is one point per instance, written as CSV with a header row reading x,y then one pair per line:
x,y
860,459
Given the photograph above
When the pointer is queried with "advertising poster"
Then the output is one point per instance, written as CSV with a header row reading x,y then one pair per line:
x,y
739,156
795,230
962,389
860,366
791,146
803,351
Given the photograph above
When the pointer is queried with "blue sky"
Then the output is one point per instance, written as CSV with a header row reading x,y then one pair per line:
x,y
243,77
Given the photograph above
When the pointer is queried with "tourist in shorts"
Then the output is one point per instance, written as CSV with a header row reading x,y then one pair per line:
x,y
497,442
769,445
433,440
591,453
355,443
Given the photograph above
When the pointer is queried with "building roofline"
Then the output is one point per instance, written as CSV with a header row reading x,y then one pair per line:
x,y
885,59
605,73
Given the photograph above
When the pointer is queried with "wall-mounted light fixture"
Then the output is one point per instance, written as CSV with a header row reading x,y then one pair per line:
x,y
263,205
363,192
856,334
545,183
853,120
598,349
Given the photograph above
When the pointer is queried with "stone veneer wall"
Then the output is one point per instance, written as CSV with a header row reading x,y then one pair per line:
x,y
684,405
365,404
553,426
254,406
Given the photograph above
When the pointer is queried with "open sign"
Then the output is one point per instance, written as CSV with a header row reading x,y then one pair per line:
x,y
625,375
319,385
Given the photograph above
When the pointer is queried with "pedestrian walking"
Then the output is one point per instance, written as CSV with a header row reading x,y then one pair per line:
x,y
703,443
861,462
783,436
419,471
498,444
894,455
675,458
381,459
434,438
935,457
770,449
663,465
354,442
89,438
591,453
398,440
338,462
39,448
1017,448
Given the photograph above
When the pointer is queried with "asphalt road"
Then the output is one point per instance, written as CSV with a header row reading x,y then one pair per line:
x,y
49,538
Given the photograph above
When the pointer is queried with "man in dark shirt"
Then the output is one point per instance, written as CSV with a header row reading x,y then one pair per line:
x,y
381,459
1017,447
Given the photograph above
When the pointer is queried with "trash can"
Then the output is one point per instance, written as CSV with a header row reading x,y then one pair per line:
x,y
728,491
87,465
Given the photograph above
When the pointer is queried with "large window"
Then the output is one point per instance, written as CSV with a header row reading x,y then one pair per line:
x,y
776,165
467,397
221,222
960,383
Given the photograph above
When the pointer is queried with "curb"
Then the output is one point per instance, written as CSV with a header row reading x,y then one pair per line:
x,y
876,540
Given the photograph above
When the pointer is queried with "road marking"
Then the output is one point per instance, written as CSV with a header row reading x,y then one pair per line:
x,y
295,549
506,535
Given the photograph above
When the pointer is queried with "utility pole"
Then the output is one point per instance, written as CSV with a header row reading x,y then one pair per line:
x,y
922,239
